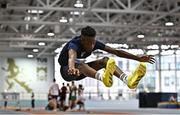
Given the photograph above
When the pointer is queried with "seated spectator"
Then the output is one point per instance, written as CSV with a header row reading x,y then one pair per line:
x,y
52,105
80,102
172,99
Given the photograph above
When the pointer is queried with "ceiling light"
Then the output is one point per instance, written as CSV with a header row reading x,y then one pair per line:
x,y
27,18
153,46
140,36
35,50
164,47
63,20
160,34
70,19
152,52
78,4
35,18
169,24
50,34
30,56
136,51
174,46
76,13
125,46
36,11
41,44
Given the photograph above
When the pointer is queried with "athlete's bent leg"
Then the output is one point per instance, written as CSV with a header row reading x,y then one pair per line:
x,y
102,70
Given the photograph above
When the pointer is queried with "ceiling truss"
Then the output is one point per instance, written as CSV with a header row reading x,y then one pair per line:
x,y
116,21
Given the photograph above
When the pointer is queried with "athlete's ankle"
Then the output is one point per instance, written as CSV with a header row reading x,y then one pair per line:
x,y
123,77
99,74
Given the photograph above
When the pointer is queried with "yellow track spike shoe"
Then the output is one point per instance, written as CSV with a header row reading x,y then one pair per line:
x,y
137,75
108,72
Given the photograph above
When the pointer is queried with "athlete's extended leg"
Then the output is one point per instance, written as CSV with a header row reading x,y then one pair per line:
x,y
133,79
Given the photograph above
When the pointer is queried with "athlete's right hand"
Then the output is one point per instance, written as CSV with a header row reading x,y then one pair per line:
x,y
73,71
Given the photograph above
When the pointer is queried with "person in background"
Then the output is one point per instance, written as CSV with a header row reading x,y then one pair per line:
x,y
80,89
81,99
5,97
73,95
63,96
32,100
49,96
52,105
54,92
68,95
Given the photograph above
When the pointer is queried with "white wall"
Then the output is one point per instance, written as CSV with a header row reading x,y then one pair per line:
x,y
23,74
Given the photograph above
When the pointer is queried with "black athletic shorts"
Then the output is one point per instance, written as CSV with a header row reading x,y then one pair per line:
x,y
67,77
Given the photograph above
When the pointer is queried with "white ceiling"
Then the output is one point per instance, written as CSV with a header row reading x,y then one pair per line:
x,y
116,21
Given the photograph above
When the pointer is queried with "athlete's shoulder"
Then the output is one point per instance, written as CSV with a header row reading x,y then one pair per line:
x,y
99,45
99,42
75,39
74,43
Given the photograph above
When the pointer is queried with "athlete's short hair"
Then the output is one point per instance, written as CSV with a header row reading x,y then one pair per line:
x,y
88,31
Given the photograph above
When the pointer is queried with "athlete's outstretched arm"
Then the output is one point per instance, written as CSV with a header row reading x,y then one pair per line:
x,y
72,70
124,54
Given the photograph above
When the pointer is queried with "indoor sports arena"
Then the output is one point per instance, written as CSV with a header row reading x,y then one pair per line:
x,y
90,57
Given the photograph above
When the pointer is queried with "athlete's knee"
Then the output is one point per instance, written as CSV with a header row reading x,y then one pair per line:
x,y
105,60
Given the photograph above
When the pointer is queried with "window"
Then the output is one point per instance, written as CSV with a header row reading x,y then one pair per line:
x,y
167,62
166,81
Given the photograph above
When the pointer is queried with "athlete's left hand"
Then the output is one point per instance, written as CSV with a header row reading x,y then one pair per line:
x,y
147,58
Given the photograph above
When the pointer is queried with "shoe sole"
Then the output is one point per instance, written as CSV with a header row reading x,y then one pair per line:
x,y
108,73
137,76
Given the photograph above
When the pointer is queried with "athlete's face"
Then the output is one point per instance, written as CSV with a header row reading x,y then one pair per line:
x,y
88,43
